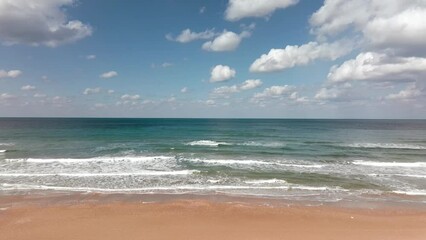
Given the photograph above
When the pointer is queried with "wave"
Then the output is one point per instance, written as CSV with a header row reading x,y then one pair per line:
x,y
208,143
230,161
265,181
144,173
264,144
386,145
6,186
251,162
2,151
389,164
97,159
412,192
398,175
7,144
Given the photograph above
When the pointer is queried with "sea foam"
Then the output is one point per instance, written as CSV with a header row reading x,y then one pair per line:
x,y
390,164
97,159
77,175
386,145
207,143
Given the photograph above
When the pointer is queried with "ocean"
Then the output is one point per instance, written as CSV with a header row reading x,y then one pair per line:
x,y
294,159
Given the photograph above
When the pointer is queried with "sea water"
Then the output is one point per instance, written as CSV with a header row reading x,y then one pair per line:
x,y
324,160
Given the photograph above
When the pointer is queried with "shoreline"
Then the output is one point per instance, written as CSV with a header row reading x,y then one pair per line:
x,y
100,216
48,198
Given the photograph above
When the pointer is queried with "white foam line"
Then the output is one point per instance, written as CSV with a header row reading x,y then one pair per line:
x,y
389,164
400,175
263,181
98,159
145,173
386,146
250,162
207,143
2,151
7,144
151,189
412,193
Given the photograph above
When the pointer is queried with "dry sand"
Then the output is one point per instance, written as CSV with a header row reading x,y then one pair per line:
x,y
204,219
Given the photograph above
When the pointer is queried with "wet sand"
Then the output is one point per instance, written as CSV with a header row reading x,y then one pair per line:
x,y
202,219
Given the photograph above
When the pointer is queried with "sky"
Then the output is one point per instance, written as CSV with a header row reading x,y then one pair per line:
x,y
213,58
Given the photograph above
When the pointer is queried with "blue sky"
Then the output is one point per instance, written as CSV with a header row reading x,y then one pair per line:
x,y
236,58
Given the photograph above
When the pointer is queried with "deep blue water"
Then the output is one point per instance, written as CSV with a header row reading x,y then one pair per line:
x,y
327,160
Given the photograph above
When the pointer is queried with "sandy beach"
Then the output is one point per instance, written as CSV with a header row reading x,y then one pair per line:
x,y
203,219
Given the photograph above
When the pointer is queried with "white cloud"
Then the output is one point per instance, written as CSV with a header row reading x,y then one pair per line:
x,y
188,36
404,32
221,73
89,91
130,97
290,56
109,74
111,91
7,96
226,41
40,95
411,92
41,23
275,91
246,85
371,66
238,9
10,74
90,57
398,25
184,90
28,88
250,84
225,90
329,93
202,9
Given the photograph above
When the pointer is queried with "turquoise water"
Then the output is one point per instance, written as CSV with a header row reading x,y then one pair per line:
x,y
326,160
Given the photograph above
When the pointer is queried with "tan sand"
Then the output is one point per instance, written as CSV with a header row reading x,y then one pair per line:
x,y
202,219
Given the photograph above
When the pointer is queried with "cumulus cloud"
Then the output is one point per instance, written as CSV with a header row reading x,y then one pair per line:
x,y
251,84
246,85
130,97
109,74
275,91
293,55
41,23
238,9
411,92
111,91
89,91
225,90
221,73
226,41
371,66
187,36
329,93
398,25
10,74
184,90
28,88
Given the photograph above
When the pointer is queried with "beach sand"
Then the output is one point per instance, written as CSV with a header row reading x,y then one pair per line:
x,y
204,219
